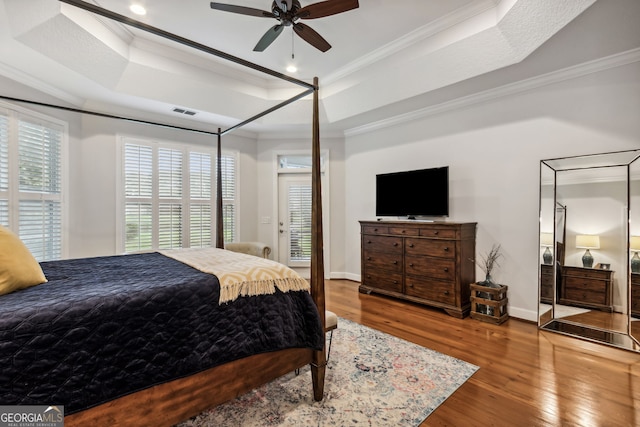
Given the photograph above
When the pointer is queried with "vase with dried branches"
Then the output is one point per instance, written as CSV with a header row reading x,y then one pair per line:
x,y
487,263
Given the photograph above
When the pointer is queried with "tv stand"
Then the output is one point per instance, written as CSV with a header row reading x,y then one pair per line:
x,y
427,263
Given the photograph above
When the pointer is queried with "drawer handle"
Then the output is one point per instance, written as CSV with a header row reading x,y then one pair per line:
x,y
404,231
411,285
435,233
368,258
446,292
395,262
375,229
446,249
395,282
395,244
446,269
410,264
368,241
410,245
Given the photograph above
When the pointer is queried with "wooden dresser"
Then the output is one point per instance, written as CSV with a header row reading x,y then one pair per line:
x,y
587,287
430,263
546,283
635,295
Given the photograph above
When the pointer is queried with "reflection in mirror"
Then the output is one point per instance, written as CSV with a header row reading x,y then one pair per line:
x,y
586,202
634,247
547,274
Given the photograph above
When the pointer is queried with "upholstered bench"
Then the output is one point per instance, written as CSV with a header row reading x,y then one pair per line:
x,y
251,248
330,323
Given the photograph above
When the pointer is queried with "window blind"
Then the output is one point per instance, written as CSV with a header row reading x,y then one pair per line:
x,y
300,222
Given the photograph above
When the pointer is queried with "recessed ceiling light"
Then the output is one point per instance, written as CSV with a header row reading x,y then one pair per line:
x,y
138,9
292,68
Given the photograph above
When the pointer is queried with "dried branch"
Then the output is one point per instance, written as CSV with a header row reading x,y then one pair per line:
x,y
490,260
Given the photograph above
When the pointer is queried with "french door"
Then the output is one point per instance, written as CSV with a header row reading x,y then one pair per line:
x,y
294,219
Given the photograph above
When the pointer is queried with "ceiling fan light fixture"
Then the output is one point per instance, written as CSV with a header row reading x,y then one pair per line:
x,y
292,68
288,13
138,9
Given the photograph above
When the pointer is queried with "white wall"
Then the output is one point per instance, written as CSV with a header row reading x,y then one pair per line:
x,y
493,150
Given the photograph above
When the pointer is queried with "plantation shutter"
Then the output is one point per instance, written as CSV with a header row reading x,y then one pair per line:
x,y
40,188
4,170
229,196
138,183
169,196
200,218
170,180
300,222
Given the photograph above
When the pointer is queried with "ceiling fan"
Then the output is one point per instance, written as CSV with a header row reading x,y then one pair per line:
x,y
288,13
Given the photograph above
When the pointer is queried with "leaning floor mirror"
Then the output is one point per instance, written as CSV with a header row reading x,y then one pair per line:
x,y
589,276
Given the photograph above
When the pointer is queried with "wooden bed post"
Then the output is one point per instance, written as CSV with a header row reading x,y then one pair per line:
x,y
219,217
319,363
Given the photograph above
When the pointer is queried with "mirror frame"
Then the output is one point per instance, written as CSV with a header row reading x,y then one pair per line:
x,y
547,319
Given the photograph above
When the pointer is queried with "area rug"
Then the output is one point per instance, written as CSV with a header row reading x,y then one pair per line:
x,y
372,379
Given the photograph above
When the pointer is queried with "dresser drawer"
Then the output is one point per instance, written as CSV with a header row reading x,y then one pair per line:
x,y
375,229
381,279
588,273
433,290
437,268
387,244
586,296
403,231
579,284
428,247
438,233
385,261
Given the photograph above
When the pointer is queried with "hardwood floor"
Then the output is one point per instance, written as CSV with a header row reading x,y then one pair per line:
x,y
527,377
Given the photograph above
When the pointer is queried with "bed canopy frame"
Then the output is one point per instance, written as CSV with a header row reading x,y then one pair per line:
x,y
172,402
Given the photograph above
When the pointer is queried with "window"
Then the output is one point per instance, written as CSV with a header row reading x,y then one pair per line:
x,y
169,195
31,181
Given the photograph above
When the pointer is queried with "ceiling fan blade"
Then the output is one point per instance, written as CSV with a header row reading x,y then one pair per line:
x,y
268,38
242,10
326,8
311,36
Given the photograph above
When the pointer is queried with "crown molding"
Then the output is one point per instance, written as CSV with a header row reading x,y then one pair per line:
x,y
39,85
576,71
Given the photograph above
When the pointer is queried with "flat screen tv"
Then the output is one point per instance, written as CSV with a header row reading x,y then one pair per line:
x,y
423,192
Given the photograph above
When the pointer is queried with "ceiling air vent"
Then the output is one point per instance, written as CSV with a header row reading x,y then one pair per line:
x,y
183,111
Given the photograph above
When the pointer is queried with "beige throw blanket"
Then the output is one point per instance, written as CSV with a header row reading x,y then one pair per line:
x,y
240,274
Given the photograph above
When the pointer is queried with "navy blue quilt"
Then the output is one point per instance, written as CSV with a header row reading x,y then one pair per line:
x,y
105,327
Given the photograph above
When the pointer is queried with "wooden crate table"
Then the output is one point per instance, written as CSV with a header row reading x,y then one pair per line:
x,y
489,304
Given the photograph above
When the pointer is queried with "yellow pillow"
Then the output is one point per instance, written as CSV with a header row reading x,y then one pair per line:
x,y
18,268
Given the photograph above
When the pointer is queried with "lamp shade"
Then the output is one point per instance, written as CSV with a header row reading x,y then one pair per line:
x,y
546,239
586,241
635,243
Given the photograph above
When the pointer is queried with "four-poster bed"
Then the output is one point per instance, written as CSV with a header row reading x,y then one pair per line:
x,y
169,402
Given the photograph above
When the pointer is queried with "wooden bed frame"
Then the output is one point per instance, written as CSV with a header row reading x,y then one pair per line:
x,y
175,401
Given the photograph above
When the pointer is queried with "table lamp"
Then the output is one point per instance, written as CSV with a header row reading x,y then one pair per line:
x,y
634,244
587,242
546,240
